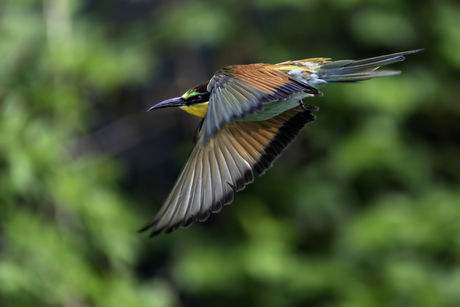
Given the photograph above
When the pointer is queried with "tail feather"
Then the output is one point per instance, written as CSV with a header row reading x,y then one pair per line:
x,y
353,71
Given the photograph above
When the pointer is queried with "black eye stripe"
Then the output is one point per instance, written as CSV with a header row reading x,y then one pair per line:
x,y
197,99
205,97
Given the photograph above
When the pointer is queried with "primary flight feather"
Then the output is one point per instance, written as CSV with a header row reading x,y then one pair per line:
x,y
251,113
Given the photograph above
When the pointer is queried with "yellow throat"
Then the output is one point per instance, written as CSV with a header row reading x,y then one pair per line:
x,y
197,109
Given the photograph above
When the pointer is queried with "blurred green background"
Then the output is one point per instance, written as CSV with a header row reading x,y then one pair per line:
x,y
362,210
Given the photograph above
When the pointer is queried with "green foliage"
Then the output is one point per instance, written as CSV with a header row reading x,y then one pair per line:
x,y
361,211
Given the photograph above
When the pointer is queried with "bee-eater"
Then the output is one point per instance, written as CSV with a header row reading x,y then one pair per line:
x,y
250,114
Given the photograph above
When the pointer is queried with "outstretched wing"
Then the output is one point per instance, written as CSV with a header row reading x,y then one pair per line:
x,y
240,90
229,159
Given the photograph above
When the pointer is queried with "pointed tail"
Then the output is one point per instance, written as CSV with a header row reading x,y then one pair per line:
x,y
353,71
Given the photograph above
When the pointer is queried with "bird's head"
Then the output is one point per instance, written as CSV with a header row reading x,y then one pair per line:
x,y
194,101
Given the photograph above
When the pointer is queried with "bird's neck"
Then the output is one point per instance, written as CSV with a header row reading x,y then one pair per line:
x,y
197,109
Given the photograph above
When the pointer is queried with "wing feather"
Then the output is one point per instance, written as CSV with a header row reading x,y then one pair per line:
x,y
225,105
208,190
241,90
196,192
185,194
229,159
246,108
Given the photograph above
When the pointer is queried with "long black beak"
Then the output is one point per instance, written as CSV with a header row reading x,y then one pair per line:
x,y
173,102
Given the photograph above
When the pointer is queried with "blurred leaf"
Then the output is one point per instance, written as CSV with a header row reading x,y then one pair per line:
x,y
377,27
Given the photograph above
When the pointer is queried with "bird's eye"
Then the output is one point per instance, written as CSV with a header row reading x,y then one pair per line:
x,y
196,99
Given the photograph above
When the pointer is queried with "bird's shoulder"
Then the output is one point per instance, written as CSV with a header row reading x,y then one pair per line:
x,y
300,70
262,76
310,64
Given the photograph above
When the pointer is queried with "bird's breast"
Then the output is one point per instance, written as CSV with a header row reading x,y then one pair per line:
x,y
197,109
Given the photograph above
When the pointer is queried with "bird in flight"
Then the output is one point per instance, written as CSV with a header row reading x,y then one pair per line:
x,y
250,114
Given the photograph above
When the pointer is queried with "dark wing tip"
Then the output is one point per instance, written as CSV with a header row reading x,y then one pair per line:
x,y
284,137
203,216
150,225
157,232
200,216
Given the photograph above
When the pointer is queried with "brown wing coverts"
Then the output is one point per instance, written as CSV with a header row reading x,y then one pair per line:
x,y
240,90
230,158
